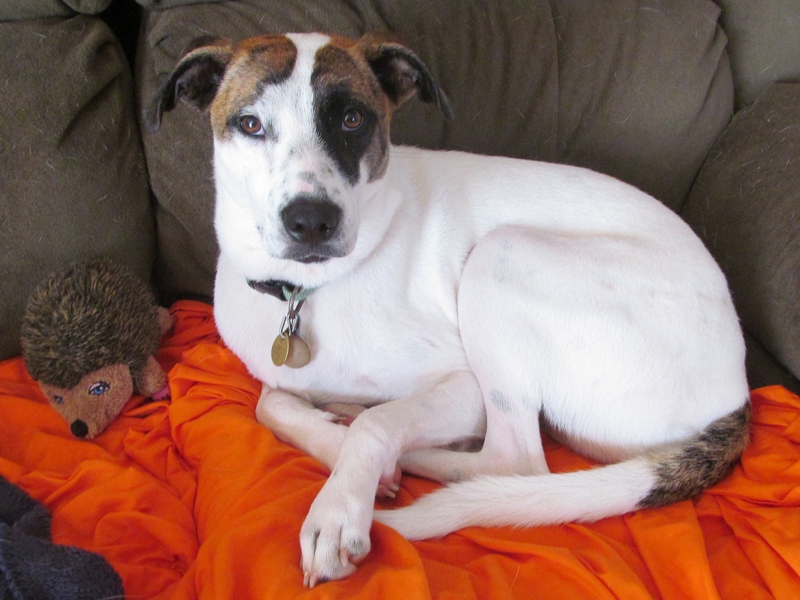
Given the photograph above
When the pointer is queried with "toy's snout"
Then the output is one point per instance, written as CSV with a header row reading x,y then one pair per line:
x,y
79,428
94,402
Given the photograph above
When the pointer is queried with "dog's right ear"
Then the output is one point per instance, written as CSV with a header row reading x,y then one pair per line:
x,y
401,73
195,79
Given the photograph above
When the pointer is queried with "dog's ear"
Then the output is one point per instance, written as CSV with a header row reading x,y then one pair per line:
x,y
401,73
195,79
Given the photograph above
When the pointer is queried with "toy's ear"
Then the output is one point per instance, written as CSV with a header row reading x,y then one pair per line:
x,y
151,380
401,73
195,79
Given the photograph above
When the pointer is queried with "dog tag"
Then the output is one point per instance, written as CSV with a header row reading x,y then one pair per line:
x,y
280,349
299,354
289,348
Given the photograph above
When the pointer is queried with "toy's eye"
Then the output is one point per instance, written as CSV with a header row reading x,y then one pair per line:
x,y
251,125
99,388
58,399
352,120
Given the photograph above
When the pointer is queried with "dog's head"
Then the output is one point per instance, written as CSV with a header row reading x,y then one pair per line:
x,y
301,143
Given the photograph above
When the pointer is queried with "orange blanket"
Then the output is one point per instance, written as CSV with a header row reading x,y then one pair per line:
x,y
194,499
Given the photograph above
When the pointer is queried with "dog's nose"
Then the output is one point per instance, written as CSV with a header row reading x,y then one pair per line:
x,y
310,221
79,429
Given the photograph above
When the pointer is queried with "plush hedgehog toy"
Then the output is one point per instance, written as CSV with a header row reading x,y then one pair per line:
x,y
89,334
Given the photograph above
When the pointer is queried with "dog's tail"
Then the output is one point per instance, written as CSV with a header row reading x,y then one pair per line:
x,y
654,479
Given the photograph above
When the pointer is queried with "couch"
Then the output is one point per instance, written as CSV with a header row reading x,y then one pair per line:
x,y
694,101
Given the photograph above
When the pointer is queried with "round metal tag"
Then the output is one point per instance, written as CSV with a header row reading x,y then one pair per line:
x,y
299,355
280,350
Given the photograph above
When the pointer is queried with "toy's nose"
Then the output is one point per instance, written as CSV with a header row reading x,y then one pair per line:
x,y
79,429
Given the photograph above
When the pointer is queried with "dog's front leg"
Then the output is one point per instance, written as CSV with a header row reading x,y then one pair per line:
x,y
335,534
317,432
299,423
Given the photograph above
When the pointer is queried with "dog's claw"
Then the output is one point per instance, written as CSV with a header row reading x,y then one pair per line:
x,y
312,577
390,485
384,492
310,580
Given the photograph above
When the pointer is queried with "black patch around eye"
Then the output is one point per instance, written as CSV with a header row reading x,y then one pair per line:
x,y
347,148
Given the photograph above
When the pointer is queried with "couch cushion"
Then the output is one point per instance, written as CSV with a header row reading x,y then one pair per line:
x,y
634,88
74,183
764,44
162,4
32,9
746,207
645,90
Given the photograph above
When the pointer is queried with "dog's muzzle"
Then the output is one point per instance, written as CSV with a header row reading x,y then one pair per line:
x,y
312,223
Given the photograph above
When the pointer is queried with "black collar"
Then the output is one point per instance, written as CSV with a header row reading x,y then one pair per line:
x,y
272,287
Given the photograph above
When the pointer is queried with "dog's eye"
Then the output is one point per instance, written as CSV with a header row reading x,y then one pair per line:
x,y
58,399
251,125
352,120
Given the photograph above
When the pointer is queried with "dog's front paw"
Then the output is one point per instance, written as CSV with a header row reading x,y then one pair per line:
x,y
334,538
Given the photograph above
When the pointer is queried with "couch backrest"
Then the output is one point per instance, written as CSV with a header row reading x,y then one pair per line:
x,y
764,44
639,90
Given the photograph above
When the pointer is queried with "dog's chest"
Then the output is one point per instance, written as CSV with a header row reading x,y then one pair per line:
x,y
366,352
366,347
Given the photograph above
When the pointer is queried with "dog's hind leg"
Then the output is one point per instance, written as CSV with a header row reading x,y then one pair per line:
x,y
512,446
612,346
502,355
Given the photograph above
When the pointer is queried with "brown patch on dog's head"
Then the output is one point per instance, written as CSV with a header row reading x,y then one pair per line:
x,y
259,61
197,79
369,77
256,63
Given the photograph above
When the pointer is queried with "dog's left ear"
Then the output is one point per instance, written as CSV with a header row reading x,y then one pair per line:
x,y
401,73
195,79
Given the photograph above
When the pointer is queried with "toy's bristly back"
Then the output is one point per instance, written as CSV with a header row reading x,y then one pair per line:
x,y
86,316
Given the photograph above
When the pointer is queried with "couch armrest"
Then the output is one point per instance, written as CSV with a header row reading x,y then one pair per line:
x,y
745,205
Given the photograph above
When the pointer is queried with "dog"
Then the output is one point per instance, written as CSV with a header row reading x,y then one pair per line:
x,y
458,297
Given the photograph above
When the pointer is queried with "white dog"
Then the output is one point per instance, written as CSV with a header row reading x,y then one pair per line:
x,y
460,297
